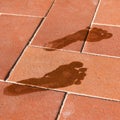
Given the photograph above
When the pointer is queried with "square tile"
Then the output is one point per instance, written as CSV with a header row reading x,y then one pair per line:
x,y
18,102
84,108
69,71
26,7
66,25
108,12
103,40
15,33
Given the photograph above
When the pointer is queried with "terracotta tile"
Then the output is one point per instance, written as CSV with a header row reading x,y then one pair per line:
x,y
69,71
103,40
111,15
15,32
84,108
26,7
28,103
66,25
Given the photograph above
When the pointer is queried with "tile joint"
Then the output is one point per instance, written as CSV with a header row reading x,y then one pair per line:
x,y
62,106
22,52
97,7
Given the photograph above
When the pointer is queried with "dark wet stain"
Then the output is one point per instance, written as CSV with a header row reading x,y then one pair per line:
x,y
98,34
15,90
95,35
63,76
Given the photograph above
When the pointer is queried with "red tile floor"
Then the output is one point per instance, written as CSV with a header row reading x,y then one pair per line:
x,y
60,60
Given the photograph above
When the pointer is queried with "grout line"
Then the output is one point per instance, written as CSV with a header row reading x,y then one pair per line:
x,y
62,50
111,25
22,15
25,15
42,22
50,8
84,42
38,28
62,106
30,85
77,52
96,12
2,80
101,55
64,91
15,64
93,96
86,95
24,49
12,82
22,52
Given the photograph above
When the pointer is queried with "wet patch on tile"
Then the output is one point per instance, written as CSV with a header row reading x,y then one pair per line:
x,y
25,102
63,76
91,75
95,35
67,40
108,41
66,25
17,90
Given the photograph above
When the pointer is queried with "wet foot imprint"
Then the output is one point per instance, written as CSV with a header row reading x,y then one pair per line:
x,y
63,76
95,34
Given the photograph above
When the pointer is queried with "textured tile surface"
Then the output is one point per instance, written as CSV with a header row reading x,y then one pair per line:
x,y
86,74
25,7
103,40
84,108
111,15
15,32
27,103
65,26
